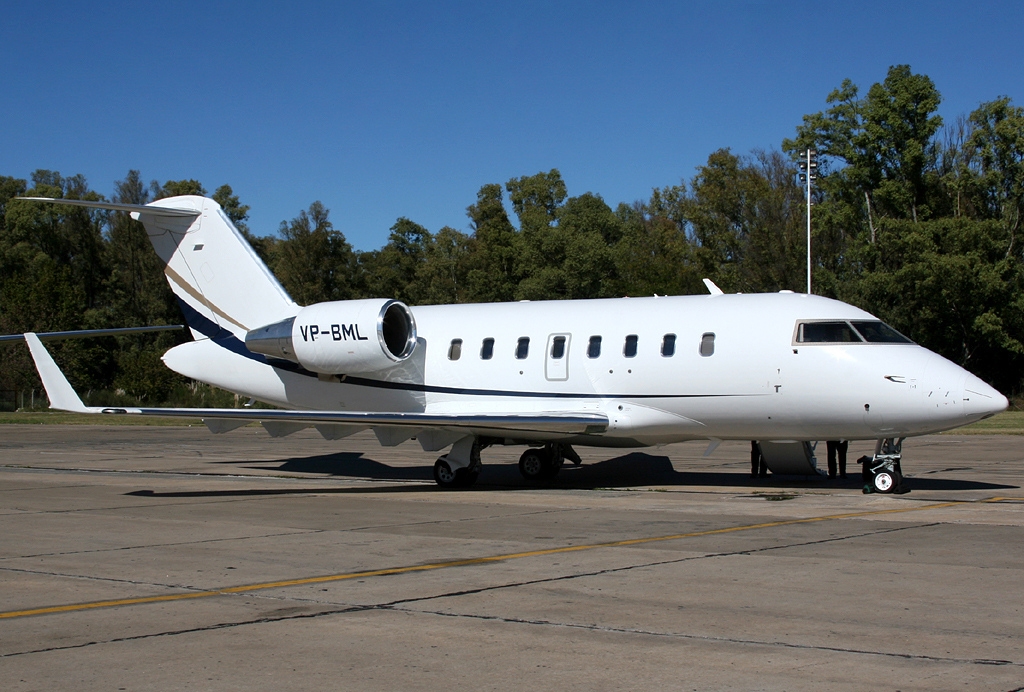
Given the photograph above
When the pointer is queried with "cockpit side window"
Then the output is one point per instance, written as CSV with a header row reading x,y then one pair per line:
x,y
880,333
836,332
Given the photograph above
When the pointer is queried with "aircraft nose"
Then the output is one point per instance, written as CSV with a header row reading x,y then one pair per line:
x,y
980,400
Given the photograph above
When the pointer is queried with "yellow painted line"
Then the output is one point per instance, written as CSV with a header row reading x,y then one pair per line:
x,y
74,607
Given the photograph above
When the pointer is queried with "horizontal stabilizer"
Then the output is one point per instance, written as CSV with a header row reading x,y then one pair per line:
x,y
87,333
150,209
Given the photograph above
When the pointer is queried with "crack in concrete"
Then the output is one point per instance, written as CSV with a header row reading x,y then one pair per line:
x,y
154,545
724,640
395,606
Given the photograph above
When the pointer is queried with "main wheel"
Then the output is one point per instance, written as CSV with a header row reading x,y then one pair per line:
x,y
553,461
466,478
443,474
884,482
532,464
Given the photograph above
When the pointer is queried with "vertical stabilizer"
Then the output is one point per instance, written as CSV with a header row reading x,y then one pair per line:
x,y
223,286
220,281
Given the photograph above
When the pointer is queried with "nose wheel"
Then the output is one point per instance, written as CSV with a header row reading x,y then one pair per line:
x,y
882,472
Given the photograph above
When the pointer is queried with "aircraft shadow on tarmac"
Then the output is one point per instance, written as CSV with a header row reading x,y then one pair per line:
x,y
628,470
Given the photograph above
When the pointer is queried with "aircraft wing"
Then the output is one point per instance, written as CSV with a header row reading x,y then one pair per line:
x,y
63,397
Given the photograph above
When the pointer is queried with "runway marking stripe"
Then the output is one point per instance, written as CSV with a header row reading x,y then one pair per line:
x,y
467,562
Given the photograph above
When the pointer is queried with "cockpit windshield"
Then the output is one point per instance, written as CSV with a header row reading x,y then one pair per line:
x,y
826,333
841,331
880,333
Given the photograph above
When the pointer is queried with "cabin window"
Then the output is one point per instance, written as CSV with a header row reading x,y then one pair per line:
x,y
558,347
594,347
455,350
668,345
880,333
629,349
523,347
707,344
487,349
826,333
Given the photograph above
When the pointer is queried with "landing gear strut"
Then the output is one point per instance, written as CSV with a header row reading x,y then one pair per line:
x,y
882,472
542,463
460,477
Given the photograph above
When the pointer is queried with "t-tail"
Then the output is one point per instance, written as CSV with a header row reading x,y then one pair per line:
x,y
222,285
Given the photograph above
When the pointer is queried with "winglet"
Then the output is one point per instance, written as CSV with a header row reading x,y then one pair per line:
x,y
58,389
712,288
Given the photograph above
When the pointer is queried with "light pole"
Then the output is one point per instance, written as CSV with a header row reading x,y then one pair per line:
x,y
808,172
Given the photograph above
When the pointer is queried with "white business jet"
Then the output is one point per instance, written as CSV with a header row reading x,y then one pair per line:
x,y
784,369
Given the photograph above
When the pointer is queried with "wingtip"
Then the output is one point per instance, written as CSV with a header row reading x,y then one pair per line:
x,y
60,392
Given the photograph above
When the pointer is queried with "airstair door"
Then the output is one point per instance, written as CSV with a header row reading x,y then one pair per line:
x,y
556,357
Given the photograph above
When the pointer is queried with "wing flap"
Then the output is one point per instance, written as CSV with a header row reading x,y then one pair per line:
x,y
561,422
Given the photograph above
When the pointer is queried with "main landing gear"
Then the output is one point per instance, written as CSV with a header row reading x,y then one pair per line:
x,y
460,467
882,472
543,463
447,472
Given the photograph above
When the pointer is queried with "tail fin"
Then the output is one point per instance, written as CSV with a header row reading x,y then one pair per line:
x,y
221,283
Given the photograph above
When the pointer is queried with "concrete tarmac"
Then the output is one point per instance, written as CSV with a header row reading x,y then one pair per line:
x,y
166,558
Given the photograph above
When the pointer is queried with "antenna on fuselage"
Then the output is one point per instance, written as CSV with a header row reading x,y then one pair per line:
x,y
712,288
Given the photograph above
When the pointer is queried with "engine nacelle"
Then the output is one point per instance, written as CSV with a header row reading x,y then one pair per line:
x,y
341,337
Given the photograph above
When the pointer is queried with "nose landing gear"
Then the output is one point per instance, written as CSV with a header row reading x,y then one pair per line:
x,y
882,472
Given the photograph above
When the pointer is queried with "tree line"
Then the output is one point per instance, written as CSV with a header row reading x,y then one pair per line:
x,y
914,220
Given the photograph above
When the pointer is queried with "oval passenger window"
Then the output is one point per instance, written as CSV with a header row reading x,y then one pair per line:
x,y
707,344
629,349
558,347
668,345
523,347
455,350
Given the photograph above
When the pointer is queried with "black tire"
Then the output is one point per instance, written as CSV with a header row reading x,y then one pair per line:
x,y
552,463
884,482
466,478
533,464
444,476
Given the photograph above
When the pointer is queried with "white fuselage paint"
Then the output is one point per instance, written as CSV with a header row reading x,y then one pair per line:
x,y
758,384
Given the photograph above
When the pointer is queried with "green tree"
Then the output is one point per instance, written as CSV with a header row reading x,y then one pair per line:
x,y
444,272
313,260
536,200
997,140
492,275
174,188
589,230
876,150
393,270
951,286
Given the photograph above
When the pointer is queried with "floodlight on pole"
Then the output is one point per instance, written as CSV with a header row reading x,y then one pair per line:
x,y
808,173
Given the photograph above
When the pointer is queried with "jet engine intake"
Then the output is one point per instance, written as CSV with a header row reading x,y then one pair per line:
x,y
341,337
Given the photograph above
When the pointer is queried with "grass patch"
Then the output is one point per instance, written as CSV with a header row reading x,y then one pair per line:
x,y
1005,423
61,418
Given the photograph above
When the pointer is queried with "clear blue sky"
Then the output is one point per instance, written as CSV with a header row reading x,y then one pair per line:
x,y
389,109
